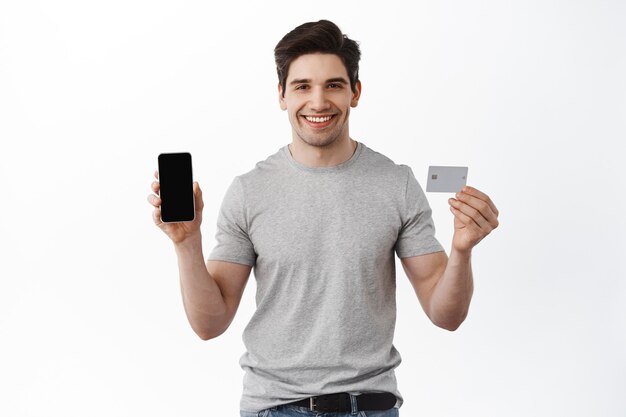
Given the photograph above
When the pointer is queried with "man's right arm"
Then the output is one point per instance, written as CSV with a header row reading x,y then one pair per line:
x,y
212,292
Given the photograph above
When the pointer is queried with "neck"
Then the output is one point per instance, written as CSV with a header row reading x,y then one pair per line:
x,y
322,156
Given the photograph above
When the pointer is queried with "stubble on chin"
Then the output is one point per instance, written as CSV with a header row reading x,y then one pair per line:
x,y
321,140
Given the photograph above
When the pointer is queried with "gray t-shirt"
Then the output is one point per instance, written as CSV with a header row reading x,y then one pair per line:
x,y
322,244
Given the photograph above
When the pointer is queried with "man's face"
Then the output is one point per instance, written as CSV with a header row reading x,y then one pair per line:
x,y
318,98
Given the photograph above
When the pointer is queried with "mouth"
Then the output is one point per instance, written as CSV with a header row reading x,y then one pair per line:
x,y
319,122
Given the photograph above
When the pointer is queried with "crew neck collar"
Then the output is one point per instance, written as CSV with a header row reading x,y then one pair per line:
x,y
336,168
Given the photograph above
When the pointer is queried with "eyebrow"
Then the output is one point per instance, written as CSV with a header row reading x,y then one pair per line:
x,y
308,81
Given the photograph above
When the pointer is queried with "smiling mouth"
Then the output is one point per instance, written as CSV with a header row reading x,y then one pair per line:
x,y
319,121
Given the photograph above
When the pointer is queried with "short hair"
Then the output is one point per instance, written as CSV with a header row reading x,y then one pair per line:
x,y
317,37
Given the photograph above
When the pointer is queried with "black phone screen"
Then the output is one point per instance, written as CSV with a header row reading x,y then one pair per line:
x,y
176,187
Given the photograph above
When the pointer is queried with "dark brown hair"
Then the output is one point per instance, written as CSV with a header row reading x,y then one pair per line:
x,y
323,36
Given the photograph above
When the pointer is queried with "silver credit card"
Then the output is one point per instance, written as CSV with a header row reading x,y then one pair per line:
x,y
446,179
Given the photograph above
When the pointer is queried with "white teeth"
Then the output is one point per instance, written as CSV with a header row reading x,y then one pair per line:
x,y
318,119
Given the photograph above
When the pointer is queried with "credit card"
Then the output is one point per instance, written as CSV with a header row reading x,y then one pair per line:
x,y
442,179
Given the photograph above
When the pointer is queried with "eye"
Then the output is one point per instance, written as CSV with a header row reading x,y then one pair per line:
x,y
302,87
334,85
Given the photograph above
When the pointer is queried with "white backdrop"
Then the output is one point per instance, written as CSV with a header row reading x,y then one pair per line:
x,y
531,95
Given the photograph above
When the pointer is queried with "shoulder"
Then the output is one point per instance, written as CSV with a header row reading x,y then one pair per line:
x,y
265,170
384,166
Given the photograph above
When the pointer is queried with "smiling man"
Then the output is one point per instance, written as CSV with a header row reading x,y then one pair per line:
x,y
321,221
317,96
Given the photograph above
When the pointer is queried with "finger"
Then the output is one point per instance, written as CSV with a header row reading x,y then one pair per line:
x,y
154,200
156,186
156,217
474,192
482,206
468,214
464,218
156,174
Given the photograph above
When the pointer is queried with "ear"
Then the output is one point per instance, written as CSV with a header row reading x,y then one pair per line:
x,y
281,99
356,95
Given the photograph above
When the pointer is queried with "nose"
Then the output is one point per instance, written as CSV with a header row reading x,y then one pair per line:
x,y
318,100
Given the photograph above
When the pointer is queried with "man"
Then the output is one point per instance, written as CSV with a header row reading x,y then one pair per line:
x,y
320,221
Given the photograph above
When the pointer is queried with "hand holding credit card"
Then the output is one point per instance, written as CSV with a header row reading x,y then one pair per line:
x,y
446,179
475,215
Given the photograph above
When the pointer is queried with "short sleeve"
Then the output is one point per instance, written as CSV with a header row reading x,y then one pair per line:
x,y
233,241
417,235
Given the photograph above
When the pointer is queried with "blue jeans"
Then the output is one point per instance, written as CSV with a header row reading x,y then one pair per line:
x,y
296,411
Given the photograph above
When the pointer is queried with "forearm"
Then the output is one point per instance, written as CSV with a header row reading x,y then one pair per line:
x,y
450,300
202,298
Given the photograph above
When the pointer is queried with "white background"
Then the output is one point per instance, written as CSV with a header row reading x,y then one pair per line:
x,y
531,95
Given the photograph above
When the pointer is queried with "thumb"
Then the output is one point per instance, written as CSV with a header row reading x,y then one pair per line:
x,y
198,195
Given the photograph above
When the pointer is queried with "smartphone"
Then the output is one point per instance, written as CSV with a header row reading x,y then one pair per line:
x,y
176,187
443,179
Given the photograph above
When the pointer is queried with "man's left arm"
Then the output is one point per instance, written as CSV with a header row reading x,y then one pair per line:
x,y
444,286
